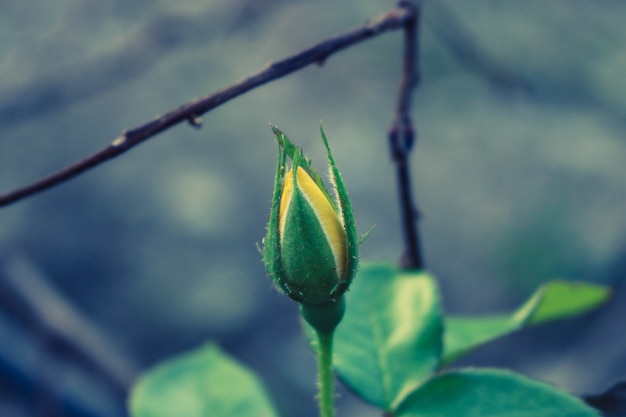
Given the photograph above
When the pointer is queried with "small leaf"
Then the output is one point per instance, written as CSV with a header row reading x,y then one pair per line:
x,y
563,299
205,382
554,300
390,338
490,393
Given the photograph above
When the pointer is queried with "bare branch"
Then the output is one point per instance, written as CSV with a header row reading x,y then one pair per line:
x,y
402,137
393,19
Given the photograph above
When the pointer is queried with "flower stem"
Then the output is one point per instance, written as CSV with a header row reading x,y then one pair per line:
x,y
324,318
325,373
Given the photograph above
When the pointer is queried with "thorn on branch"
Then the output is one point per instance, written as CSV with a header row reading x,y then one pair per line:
x,y
120,140
195,121
321,61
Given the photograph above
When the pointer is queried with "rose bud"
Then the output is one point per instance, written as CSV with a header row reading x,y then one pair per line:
x,y
311,247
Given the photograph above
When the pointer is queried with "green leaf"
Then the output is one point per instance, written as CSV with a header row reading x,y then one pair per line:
x,y
490,393
203,383
390,339
560,299
554,300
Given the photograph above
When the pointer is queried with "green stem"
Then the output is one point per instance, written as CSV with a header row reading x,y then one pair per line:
x,y
325,373
324,318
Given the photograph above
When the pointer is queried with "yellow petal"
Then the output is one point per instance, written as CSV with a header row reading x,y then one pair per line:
x,y
328,218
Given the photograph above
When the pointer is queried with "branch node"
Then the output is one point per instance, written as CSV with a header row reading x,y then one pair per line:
x,y
195,121
119,141
411,5
401,139
402,136
321,61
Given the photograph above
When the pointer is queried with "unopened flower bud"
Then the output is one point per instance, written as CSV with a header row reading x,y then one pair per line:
x,y
311,246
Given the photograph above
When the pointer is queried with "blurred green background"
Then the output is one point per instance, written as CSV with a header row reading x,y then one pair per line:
x,y
519,172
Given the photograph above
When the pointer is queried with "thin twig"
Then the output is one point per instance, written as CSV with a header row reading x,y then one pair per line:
x,y
402,138
393,19
23,387
29,299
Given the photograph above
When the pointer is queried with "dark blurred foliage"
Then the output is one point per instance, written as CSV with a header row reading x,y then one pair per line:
x,y
519,173
612,403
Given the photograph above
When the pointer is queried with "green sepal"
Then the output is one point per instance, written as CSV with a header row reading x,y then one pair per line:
x,y
347,216
293,152
271,243
283,142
